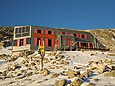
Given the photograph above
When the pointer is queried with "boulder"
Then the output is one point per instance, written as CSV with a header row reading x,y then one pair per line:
x,y
110,74
60,82
108,61
84,73
72,73
44,72
101,68
54,75
76,82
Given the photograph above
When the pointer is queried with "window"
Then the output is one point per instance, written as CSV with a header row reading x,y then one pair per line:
x,y
49,32
84,44
38,39
49,42
63,32
17,30
83,36
21,42
39,31
23,31
15,43
74,35
91,45
28,40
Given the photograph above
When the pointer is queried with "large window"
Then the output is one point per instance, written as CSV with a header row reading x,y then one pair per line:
x,y
22,31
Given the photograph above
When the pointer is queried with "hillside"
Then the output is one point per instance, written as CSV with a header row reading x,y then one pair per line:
x,y
6,35
106,37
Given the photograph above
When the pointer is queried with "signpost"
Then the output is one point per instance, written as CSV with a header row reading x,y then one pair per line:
x,y
42,54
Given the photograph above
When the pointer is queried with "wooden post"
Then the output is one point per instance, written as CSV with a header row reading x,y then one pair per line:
x,y
41,61
42,53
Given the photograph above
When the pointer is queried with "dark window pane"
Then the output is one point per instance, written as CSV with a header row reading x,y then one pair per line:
x,y
28,30
38,39
63,32
83,36
28,40
21,42
15,43
18,35
83,44
39,31
16,30
23,29
49,32
19,30
49,42
74,35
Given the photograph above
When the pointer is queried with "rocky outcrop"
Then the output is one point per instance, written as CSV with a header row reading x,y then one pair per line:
x,y
106,37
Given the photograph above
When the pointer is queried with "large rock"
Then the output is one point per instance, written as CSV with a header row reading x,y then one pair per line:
x,y
101,68
72,73
60,82
84,73
76,82
54,75
110,74
108,61
44,72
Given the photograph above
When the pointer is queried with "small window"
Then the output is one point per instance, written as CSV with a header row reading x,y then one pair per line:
x,y
39,31
18,35
15,43
19,30
83,44
28,40
27,29
23,29
16,30
83,36
38,39
74,35
49,42
63,32
49,32
21,42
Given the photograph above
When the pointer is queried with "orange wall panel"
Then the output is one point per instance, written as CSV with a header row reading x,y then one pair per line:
x,y
24,42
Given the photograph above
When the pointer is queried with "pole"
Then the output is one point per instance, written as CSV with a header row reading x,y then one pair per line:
x,y
42,54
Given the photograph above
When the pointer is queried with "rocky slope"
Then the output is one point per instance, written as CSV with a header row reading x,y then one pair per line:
x,y
67,68
6,35
106,37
